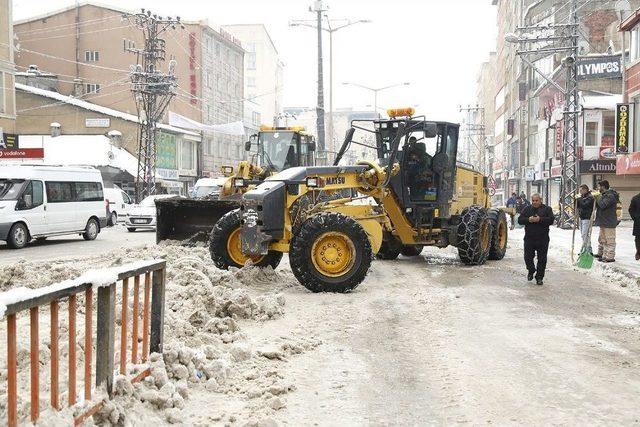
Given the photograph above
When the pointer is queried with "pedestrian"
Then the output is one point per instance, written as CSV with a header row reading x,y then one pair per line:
x,y
607,220
511,206
585,210
520,205
524,198
536,218
634,211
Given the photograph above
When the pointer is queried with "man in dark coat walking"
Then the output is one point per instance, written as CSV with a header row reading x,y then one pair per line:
x,y
607,220
634,211
536,218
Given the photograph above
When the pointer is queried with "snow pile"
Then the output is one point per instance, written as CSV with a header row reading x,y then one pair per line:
x,y
206,351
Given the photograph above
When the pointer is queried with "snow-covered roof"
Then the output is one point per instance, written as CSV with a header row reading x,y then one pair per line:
x,y
97,108
90,150
601,102
68,8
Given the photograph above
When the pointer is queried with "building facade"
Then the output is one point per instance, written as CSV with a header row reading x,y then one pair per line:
x,y
263,73
90,48
7,72
527,132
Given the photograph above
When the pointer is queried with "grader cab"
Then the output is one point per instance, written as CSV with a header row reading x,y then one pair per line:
x,y
414,195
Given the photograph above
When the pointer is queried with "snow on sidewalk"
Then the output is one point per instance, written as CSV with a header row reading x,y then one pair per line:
x,y
626,270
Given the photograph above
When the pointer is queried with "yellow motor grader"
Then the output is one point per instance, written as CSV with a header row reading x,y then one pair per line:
x,y
276,149
415,195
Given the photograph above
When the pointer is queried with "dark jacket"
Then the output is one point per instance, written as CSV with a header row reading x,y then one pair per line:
x,y
511,202
585,206
634,211
536,231
520,207
606,205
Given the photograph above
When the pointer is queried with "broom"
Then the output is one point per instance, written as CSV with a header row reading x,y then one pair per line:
x,y
585,259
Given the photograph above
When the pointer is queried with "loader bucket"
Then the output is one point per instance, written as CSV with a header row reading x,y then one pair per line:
x,y
189,220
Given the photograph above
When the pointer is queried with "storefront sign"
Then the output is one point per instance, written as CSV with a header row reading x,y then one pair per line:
x,y
22,153
8,140
170,174
529,174
628,164
559,135
622,128
556,171
97,123
599,67
166,151
192,69
590,167
607,153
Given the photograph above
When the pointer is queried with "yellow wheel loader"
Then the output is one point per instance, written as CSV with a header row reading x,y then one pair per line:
x,y
415,195
276,148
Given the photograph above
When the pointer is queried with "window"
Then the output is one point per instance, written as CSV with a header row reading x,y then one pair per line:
x,y
64,192
126,199
255,118
2,85
126,45
635,44
251,61
251,82
93,88
91,56
499,126
88,191
186,155
591,134
59,192
32,195
500,98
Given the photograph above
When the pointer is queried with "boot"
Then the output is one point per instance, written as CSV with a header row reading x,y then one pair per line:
x,y
638,256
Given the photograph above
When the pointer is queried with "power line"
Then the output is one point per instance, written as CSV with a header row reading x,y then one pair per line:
x,y
64,26
74,34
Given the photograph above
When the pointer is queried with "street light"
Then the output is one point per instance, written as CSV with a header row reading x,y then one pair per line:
x,y
330,29
376,90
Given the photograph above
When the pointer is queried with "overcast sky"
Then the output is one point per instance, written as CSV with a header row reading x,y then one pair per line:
x,y
436,45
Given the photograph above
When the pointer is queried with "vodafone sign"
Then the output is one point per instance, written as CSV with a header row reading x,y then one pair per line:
x,y
628,164
22,153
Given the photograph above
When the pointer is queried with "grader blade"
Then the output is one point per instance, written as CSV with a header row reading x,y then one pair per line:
x,y
189,220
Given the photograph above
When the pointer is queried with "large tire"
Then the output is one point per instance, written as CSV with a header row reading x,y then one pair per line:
x,y
390,249
18,236
91,230
474,235
226,253
412,250
499,235
348,253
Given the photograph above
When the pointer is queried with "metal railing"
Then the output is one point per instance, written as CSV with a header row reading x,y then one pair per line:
x,y
105,308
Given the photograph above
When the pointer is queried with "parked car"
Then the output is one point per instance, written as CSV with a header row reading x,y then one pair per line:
x,y
143,215
37,202
119,204
208,188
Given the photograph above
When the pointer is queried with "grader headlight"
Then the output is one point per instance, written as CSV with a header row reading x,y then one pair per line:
x,y
401,112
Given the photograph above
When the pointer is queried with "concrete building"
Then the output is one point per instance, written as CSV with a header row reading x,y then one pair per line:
x,y
263,73
528,126
88,47
177,164
7,71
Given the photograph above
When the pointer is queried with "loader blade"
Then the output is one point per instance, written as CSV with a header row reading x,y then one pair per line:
x,y
189,220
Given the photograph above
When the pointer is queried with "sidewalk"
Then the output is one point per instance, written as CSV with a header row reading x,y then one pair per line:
x,y
560,250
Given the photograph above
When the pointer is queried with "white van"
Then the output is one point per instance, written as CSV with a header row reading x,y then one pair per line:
x,y
41,201
119,204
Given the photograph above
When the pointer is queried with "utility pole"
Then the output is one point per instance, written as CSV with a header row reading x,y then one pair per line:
x,y
330,28
318,9
474,131
540,41
152,90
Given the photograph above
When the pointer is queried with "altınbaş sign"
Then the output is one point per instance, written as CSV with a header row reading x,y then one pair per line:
x,y
588,167
622,128
599,67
